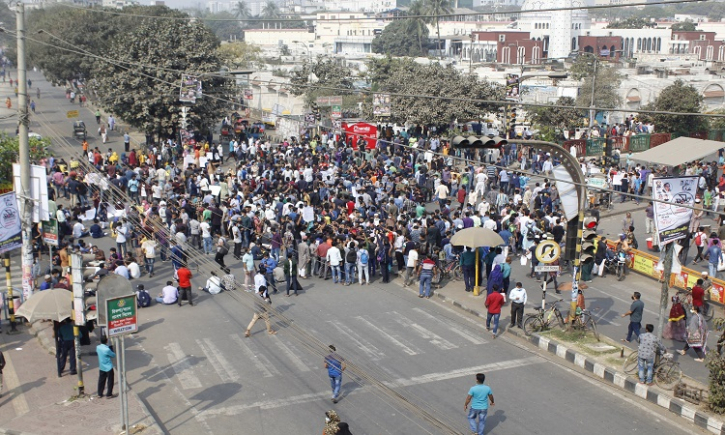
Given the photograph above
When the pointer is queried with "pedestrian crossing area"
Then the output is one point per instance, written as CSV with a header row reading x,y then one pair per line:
x,y
382,340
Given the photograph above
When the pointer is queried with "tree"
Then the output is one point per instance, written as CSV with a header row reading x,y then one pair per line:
x,y
632,23
456,90
312,79
222,25
139,91
240,55
270,11
399,39
434,9
418,26
241,10
606,82
558,114
9,150
685,26
678,97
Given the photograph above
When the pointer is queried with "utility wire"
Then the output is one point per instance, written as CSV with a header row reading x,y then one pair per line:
x,y
368,92
380,18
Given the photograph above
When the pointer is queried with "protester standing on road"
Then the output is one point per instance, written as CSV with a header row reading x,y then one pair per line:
x,y
289,266
425,275
66,347
494,302
649,347
105,367
261,307
714,253
635,317
335,365
184,276
518,298
478,397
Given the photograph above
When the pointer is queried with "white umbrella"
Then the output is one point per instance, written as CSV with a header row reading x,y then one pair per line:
x,y
54,304
476,237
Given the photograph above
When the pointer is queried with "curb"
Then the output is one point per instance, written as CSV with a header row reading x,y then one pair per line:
x,y
14,432
679,407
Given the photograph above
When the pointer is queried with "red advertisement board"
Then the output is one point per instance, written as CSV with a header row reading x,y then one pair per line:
x,y
368,132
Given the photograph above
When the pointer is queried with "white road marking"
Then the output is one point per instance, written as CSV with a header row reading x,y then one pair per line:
x,y
433,338
226,371
417,380
397,341
182,367
258,359
451,326
296,361
368,348
20,405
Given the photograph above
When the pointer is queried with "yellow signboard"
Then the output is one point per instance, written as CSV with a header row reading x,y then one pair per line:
x,y
72,114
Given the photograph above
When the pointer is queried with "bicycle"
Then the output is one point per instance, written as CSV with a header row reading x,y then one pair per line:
x,y
585,321
666,373
685,296
543,320
450,269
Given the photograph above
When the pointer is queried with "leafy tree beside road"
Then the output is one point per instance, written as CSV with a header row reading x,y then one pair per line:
x,y
403,38
9,149
678,97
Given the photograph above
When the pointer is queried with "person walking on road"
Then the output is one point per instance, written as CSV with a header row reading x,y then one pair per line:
x,y
105,368
494,302
635,317
289,266
518,299
478,397
714,253
649,347
335,365
696,334
261,307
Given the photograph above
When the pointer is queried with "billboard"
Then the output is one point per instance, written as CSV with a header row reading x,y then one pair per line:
x,y
381,105
248,94
512,87
10,231
38,190
672,220
357,130
190,88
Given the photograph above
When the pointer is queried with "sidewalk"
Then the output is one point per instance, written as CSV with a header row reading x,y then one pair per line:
x,y
36,401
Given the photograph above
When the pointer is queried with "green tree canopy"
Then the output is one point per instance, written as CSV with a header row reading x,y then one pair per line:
x,y
241,10
239,54
685,26
606,82
404,76
435,8
9,150
401,38
312,79
223,28
678,97
632,23
146,96
558,114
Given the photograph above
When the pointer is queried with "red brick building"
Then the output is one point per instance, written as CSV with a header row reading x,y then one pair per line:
x,y
609,47
702,44
513,47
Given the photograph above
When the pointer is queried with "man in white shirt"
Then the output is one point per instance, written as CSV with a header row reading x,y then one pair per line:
x,y
518,298
213,284
411,265
149,250
335,258
442,194
134,271
169,294
121,231
206,236
122,270
79,230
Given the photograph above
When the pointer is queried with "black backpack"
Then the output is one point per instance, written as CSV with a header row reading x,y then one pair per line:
x,y
143,299
351,256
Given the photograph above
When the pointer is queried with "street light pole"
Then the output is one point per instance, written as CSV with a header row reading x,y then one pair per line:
x,y
26,200
591,104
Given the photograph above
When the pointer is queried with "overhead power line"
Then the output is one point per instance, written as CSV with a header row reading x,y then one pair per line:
x,y
379,18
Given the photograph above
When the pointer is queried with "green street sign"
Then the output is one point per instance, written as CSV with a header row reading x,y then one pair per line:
x,y
121,315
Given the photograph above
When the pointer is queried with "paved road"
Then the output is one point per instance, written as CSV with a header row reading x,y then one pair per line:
x,y
200,375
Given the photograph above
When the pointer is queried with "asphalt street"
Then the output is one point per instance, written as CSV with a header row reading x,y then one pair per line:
x,y
198,374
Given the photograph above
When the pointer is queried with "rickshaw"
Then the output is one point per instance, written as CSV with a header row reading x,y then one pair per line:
x,y
79,130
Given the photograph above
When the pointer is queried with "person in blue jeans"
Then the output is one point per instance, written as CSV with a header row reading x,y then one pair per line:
x,y
478,397
714,253
426,277
335,365
635,317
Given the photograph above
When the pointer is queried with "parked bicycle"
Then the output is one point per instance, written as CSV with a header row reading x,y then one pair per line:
x,y
544,319
667,371
708,312
585,322
451,269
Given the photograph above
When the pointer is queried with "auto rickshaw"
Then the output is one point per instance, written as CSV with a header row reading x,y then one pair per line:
x,y
79,130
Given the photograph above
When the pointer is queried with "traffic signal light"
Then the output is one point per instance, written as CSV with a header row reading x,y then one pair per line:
x,y
478,142
316,111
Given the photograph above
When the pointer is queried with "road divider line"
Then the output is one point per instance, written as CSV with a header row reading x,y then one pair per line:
x,y
368,348
395,340
433,338
403,382
179,362
257,358
227,373
451,326
296,361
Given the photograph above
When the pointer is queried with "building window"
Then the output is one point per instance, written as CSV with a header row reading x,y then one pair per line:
x,y
639,44
573,44
721,53
521,55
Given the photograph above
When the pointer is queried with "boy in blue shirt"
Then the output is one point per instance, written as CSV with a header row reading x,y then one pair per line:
x,y
105,367
480,393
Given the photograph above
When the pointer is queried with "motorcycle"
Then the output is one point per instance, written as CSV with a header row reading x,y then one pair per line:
x,y
616,265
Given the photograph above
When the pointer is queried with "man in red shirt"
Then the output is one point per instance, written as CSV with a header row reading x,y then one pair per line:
x,y
494,302
698,295
183,275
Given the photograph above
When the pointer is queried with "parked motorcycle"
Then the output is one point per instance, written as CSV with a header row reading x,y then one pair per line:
x,y
616,265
